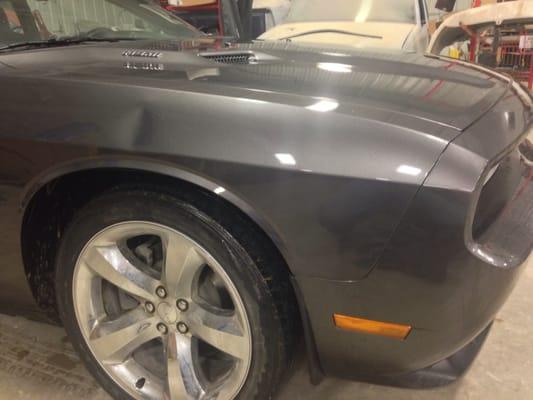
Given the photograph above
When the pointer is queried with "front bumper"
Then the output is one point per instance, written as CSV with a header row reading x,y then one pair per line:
x,y
450,266
442,373
447,313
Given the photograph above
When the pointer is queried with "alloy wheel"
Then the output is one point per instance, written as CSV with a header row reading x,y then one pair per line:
x,y
160,314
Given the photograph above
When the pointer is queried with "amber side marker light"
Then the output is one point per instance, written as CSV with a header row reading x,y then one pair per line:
x,y
394,331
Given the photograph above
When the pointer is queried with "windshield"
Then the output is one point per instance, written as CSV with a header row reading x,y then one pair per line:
x,y
402,11
40,20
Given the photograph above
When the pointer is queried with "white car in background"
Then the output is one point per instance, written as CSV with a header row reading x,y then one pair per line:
x,y
398,24
452,32
277,8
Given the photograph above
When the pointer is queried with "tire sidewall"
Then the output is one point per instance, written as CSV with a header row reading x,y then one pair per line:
x,y
122,207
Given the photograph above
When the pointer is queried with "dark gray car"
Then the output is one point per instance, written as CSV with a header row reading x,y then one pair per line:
x,y
192,209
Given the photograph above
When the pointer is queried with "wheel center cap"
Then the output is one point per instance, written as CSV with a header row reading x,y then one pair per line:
x,y
167,313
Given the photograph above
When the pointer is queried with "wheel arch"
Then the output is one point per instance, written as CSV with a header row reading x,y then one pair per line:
x,y
40,244
154,167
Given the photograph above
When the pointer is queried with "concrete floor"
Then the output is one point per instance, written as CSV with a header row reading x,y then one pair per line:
x,y
38,363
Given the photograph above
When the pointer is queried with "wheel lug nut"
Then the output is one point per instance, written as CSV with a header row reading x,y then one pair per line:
x,y
182,305
162,328
161,292
149,307
182,328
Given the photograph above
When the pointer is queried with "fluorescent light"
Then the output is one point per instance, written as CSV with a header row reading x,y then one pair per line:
x,y
327,53
335,67
409,170
286,158
256,101
324,106
219,190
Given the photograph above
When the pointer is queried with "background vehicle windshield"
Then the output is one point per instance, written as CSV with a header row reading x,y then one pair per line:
x,y
402,11
34,20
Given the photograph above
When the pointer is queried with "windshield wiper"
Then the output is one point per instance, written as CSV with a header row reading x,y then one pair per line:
x,y
342,32
59,42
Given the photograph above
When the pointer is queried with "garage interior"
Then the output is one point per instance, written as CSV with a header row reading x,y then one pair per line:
x,y
38,362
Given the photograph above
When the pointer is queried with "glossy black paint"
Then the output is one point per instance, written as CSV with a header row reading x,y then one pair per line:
x,y
363,168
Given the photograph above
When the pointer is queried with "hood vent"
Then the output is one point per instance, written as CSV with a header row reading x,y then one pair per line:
x,y
226,57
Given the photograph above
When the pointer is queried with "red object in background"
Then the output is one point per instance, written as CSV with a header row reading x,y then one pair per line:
x,y
215,6
43,30
517,62
514,60
473,48
530,80
473,38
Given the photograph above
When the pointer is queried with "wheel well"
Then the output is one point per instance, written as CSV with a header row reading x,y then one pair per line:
x,y
54,205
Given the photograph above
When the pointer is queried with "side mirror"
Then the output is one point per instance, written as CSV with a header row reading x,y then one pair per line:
x,y
445,5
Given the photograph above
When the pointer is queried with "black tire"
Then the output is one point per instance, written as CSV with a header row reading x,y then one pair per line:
x,y
269,342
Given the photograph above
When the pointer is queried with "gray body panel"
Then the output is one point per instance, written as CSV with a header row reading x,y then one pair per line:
x,y
344,160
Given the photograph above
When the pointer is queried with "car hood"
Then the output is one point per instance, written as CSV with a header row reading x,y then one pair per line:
x,y
363,34
412,86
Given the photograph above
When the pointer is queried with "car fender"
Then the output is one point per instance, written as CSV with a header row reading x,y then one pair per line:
x,y
146,164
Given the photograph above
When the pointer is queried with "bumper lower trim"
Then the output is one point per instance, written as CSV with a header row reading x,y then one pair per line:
x,y
442,373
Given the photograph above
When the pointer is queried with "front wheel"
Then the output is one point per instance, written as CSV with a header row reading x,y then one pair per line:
x,y
161,302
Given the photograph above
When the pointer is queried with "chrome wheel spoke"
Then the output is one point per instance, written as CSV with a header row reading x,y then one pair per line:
x,y
160,315
220,330
115,346
105,326
183,382
182,263
110,264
